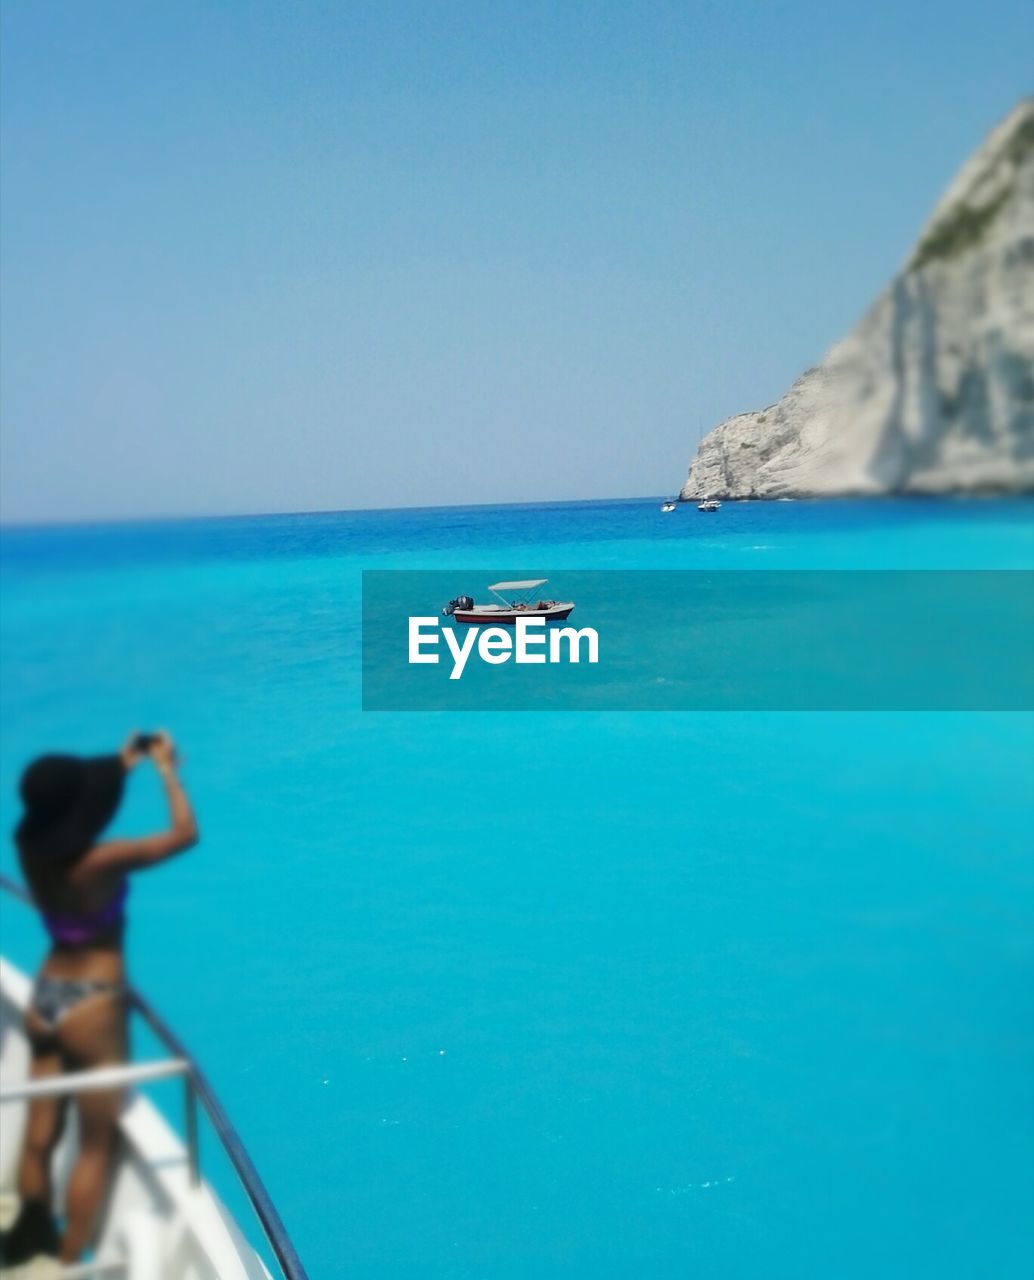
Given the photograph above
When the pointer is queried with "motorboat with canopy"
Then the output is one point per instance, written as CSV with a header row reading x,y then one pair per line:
x,y
514,600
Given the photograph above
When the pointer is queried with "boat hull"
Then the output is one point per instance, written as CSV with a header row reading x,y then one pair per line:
x,y
508,617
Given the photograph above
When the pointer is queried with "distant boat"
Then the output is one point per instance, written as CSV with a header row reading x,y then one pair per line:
x,y
709,504
670,505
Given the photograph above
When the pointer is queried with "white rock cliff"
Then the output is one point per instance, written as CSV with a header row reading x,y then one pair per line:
x,y
933,391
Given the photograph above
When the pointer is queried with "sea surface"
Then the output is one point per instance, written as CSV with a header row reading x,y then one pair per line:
x,y
571,995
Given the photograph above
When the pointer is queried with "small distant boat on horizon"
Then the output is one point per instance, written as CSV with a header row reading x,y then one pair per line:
x,y
507,611
709,504
669,505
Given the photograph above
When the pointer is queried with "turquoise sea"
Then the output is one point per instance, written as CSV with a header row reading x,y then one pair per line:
x,y
592,996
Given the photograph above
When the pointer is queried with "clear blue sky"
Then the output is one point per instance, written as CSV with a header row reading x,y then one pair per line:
x,y
288,256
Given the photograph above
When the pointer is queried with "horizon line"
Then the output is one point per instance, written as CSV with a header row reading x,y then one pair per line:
x,y
91,521
13,526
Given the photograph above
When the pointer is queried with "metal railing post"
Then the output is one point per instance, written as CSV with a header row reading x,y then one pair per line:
x,y
190,1121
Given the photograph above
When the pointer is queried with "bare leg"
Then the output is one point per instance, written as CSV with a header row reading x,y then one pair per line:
x,y
93,1034
33,1231
98,1135
46,1120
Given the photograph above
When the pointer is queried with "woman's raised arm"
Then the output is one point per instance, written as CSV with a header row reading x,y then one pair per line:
x,y
133,854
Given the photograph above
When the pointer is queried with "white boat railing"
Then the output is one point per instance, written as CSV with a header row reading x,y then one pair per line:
x,y
197,1089
95,1081
93,1271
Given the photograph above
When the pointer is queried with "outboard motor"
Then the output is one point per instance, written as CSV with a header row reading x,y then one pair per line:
x,y
461,602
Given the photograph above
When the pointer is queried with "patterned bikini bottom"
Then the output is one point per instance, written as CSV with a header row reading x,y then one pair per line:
x,y
54,998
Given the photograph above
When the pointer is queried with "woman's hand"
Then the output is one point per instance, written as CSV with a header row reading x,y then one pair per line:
x,y
163,752
130,754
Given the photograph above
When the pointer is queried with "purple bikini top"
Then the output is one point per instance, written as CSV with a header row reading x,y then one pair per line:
x,y
80,929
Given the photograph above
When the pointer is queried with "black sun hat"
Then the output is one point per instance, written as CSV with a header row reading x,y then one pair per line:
x,y
69,800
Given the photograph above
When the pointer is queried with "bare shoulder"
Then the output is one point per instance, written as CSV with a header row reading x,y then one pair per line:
x,y
112,859
103,862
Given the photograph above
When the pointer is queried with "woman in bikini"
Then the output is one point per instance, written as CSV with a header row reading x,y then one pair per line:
x,y
77,1015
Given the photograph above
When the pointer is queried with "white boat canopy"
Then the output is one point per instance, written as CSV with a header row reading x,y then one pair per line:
x,y
529,585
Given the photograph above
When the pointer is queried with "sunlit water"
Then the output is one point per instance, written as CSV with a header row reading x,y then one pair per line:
x,y
562,995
